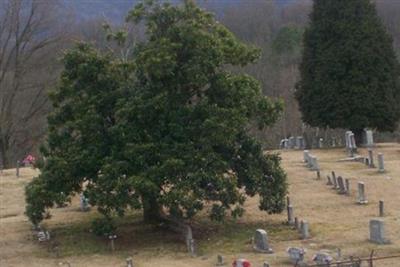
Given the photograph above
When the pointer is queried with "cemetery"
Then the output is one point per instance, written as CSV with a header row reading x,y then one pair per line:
x,y
361,215
197,133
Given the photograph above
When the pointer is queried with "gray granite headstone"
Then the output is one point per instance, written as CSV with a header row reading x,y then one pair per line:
x,y
381,208
341,187
261,241
347,186
329,182
361,199
377,231
17,169
290,214
369,138
305,233
296,255
371,158
322,258
305,155
220,260
381,166
84,202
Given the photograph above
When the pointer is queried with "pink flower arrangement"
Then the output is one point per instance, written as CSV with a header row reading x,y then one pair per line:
x,y
29,160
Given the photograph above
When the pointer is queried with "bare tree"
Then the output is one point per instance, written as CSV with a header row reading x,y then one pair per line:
x,y
28,35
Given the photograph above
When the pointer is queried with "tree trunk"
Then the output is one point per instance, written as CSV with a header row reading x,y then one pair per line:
x,y
152,211
3,155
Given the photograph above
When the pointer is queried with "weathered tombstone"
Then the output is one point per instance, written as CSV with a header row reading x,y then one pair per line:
x,y
84,202
371,158
296,223
220,260
43,235
112,238
17,169
329,182
322,258
290,214
334,180
305,233
314,165
265,264
261,241
292,142
321,143
361,199
296,255
300,142
190,241
129,262
305,155
381,167
341,187
381,208
369,138
377,231
285,143
347,186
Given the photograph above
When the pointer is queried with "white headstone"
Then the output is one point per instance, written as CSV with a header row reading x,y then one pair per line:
x,y
261,241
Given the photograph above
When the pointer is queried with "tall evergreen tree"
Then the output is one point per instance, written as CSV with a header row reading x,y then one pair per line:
x,y
350,77
163,132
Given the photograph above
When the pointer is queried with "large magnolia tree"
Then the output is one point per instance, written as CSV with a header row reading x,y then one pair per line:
x,y
165,131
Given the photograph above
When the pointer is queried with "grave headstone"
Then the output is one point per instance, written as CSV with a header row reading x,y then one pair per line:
x,y
292,142
322,258
305,233
261,243
347,181
129,262
334,180
84,202
300,142
381,167
112,237
371,158
381,208
377,231
290,214
341,189
321,143
17,169
305,155
361,199
369,138
329,182
265,264
220,260
314,164
296,255
189,240
43,236
296,223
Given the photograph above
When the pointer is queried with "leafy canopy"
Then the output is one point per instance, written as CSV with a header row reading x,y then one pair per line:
x,y
350,77
165,131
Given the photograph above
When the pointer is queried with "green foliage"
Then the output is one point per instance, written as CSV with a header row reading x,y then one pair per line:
x,y
165,131
103,226
349,73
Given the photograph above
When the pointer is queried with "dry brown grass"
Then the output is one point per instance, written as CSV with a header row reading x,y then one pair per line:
x,y
336,221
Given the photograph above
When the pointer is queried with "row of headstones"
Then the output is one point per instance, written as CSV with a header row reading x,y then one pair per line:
x,y
343,187
350,141
369,161
292,143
